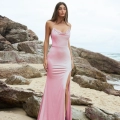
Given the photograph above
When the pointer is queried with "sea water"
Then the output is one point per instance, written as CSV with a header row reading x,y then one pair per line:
x,y
115,56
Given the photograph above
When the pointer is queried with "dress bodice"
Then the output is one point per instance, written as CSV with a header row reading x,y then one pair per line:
x,y
59,38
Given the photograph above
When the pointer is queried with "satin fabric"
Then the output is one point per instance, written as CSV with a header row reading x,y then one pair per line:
x,y
59,67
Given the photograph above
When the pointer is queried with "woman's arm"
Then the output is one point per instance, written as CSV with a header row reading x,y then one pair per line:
x,y
46,41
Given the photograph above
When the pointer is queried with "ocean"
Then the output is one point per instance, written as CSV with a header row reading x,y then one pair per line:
x,y
115,56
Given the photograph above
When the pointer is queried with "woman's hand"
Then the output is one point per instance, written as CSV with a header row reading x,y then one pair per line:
x,y
45,65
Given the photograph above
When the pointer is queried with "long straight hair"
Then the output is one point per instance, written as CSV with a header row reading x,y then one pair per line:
x,y
55,13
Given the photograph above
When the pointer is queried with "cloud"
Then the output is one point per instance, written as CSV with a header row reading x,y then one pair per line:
x,y
95,23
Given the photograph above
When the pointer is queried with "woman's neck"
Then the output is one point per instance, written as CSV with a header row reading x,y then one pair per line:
x,y
60,20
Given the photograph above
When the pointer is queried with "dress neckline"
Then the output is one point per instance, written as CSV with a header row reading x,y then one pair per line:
x,y
60,31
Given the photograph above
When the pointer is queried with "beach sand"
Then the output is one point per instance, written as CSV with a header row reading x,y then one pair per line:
x,y
99,99
14,114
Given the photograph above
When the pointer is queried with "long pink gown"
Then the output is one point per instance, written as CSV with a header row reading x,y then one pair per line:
x,y
59,67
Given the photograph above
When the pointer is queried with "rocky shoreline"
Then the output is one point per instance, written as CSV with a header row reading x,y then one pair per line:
x,y
22,77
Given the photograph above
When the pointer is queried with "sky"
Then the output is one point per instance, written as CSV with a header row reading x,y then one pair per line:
x,y
95,23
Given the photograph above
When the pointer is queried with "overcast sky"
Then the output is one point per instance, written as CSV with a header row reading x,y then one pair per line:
x,y
95,23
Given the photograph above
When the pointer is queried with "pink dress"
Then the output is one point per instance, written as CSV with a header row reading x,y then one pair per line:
x,y
59,67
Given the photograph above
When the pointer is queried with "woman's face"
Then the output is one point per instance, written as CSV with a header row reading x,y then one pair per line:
x,y
61,10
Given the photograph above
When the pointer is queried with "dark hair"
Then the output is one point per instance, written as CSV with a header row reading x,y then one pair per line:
x,y
55,13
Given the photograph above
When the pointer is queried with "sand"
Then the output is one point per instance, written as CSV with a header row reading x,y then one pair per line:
x,y
14,114
99,99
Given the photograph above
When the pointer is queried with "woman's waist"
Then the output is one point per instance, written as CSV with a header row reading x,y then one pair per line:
x,y
59,50
64,46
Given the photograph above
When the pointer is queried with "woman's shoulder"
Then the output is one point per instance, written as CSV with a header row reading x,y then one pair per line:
x,y
69,24
49,23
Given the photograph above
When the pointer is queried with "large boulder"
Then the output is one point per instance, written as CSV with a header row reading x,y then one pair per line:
x,y
30,47
17,35
78,115
100,61
6,25
19,57
14,97
79,100
31,35
94,113
112,92
17,80
26,71
74,51
92,83
15,32
32,105
83,67
5,45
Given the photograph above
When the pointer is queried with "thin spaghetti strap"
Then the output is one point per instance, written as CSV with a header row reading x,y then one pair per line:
x,y
53,25
58,29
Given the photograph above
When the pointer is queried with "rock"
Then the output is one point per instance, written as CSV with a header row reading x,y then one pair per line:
x,y
31,106
17,35
15,32
31,58
99,61
17,80
24,70
114,76
4,105
94,113
14,97
86,69
11,56
19,57
28,47
117,115
79,60
5,45
25,48
33,47
75,100
74,52
6,25
78,115
112,92
92,83
32,35
15,46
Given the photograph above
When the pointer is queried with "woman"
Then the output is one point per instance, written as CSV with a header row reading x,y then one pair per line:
x,y
58,63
